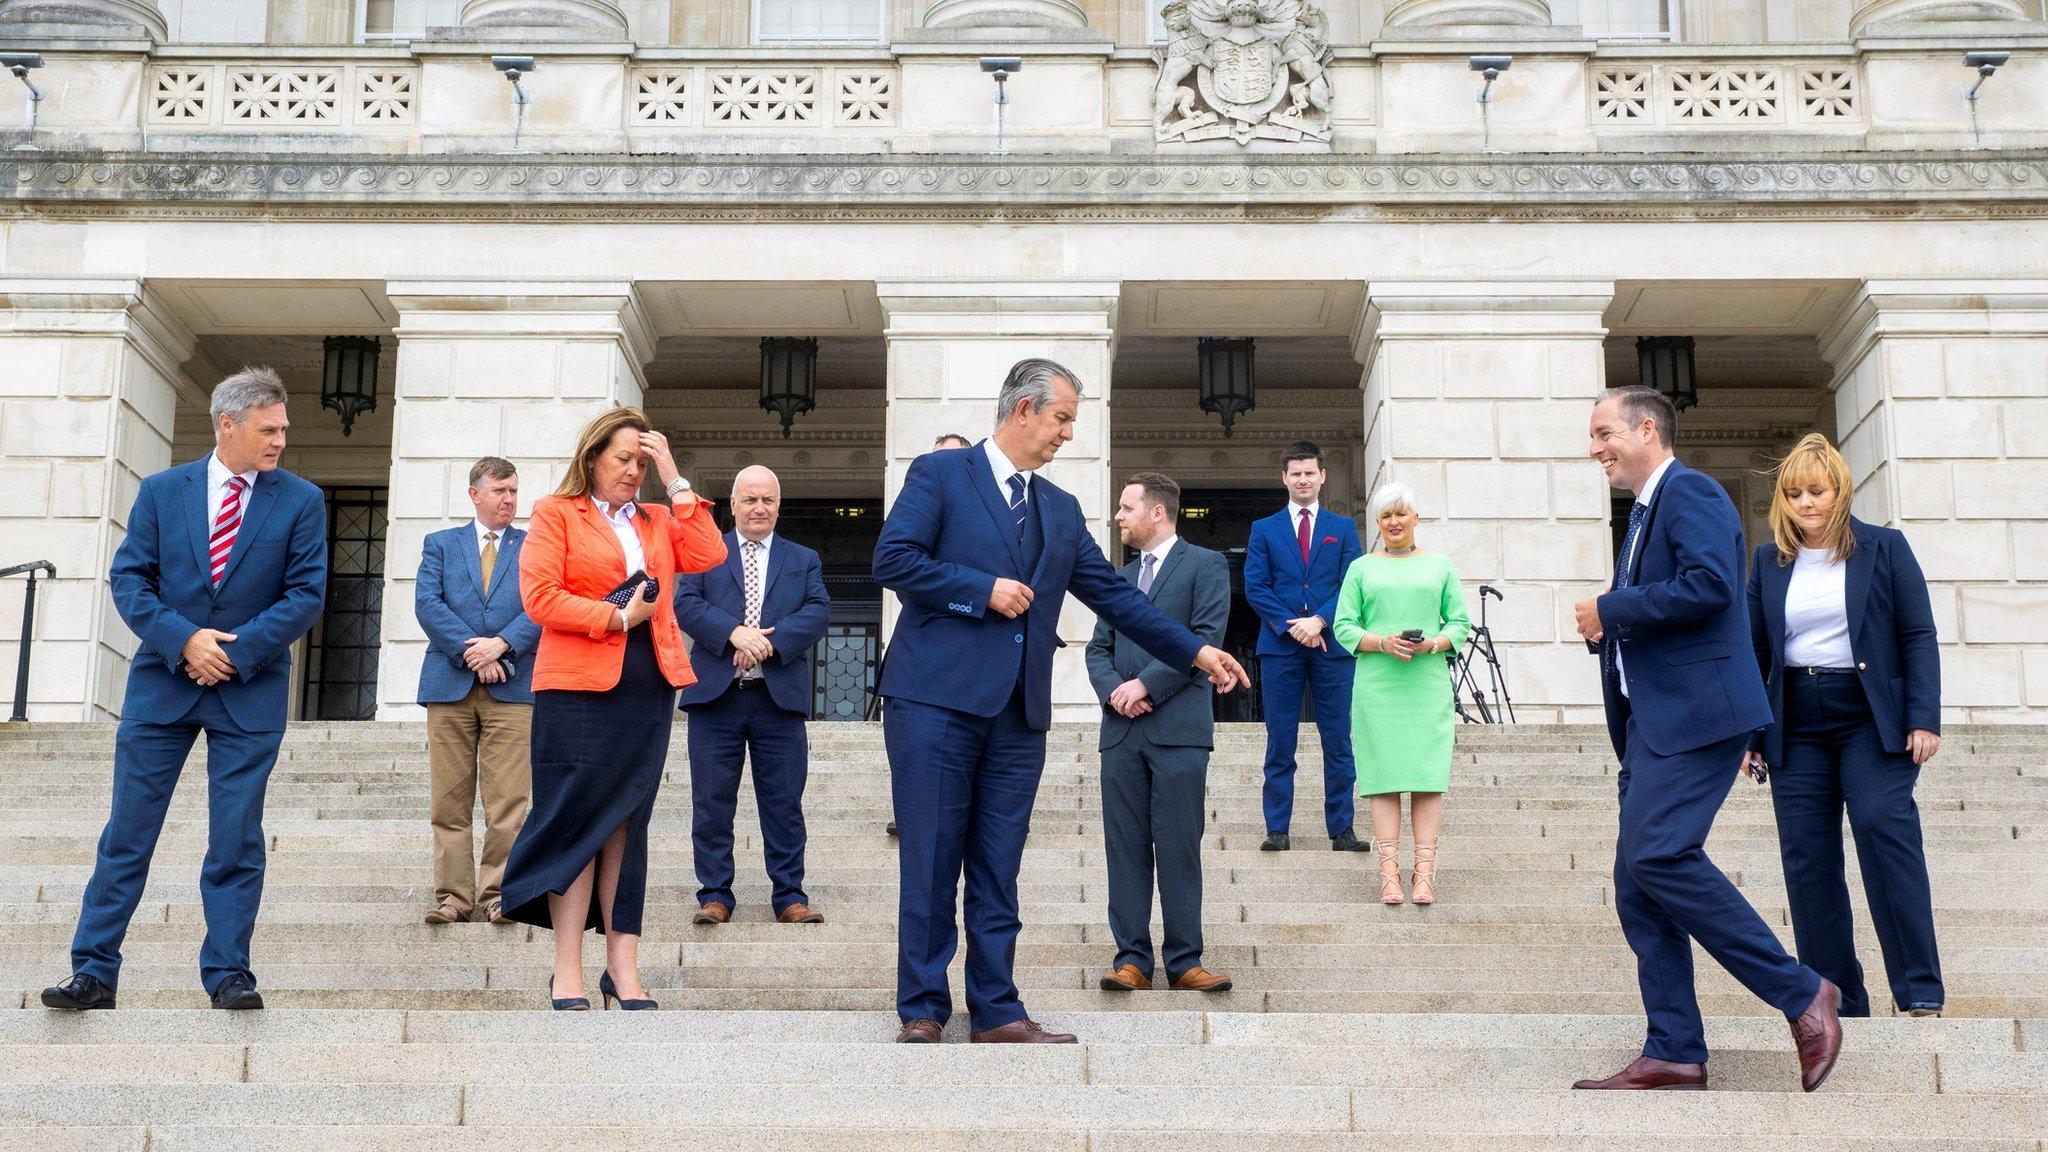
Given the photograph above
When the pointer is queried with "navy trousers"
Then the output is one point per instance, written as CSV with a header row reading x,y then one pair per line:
x,y
741,725
148,759
1833,760
1668,894
1153,809
963,787
1282,680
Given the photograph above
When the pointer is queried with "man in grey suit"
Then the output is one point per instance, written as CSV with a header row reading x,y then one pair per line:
x,y
1157,730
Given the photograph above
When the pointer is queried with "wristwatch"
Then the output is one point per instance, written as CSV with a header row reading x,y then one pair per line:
x,y
677,487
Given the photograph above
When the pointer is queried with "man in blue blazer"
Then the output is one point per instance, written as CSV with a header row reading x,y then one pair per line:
x,y
754,621
981,550
1683,697
224,566
476,685
1293,566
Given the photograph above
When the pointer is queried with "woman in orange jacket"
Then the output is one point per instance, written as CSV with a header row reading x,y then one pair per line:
x,y
604,684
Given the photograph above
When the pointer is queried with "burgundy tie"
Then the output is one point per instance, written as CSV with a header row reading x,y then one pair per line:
x,y
1302,536
224,527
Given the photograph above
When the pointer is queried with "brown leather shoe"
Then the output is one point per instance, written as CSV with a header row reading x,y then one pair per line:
x,y
1128,978
800,914
1818,1033
496,913
443,913
1648,1075
1200,979
1020,1032
919,1032
712,913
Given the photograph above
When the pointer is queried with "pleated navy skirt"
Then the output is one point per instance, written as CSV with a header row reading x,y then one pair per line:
x,y
597,764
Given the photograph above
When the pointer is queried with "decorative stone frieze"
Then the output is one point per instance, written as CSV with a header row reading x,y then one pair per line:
x,y
1243,70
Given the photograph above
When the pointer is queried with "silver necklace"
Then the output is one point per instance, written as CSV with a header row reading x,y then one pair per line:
x,y
1393,551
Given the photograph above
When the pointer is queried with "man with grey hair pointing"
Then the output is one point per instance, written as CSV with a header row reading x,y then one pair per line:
x,y
224,566
982,551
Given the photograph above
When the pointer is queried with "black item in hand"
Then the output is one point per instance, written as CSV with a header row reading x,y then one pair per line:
x,y
622,595
1413,635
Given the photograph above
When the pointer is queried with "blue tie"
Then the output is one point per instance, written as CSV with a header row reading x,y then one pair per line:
x,y
1622,563
1017,505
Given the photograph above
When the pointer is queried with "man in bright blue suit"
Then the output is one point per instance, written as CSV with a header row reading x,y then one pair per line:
x,y
224,566
1683,697
982,551
476,684
1293,566
754,621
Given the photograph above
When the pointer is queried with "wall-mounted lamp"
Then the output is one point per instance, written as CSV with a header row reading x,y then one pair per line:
x,y
1985,63
789,377
1001,68
514,67
21,64
1223,380
1490,67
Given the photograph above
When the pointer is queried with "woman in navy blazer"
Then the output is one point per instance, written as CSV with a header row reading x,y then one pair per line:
x,y
1844,634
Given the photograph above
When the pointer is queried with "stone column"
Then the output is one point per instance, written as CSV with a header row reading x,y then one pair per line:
x,y
87,402
1869,14
511,20
1477,395
506,369
998,18
1415,14
1941,404
950,345
83,20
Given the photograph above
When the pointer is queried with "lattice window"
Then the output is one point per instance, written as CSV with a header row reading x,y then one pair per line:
x,y
284,96
1622,94
1827,93
181,96
1724,94
661,98
764,97
386,97
866,98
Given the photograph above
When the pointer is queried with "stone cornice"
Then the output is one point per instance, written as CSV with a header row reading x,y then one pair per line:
x,y
1851,184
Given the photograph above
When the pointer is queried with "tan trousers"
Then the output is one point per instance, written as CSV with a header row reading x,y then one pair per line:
x,y
476,740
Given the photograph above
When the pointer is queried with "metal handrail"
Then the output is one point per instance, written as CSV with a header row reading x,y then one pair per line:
x,y
28,628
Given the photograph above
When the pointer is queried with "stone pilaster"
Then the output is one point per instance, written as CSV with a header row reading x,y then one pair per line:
x,y
950,345
1941,404
491,369
87,402
1477,395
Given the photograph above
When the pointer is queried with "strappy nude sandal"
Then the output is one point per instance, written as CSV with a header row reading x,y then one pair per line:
x,y
1421,880
1390,871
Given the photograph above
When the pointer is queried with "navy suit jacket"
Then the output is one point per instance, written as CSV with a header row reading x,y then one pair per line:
x,y
1891,634
1681,625
451,605
1280,587
271,592
711,604
947,540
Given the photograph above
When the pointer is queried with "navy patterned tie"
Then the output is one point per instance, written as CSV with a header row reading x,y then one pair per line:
x,y
1622,563
1017,505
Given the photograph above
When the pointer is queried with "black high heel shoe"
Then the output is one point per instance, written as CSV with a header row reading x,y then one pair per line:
x,y
572,1004
610,992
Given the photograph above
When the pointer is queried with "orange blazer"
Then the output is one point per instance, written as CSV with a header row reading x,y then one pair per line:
x,y
571,560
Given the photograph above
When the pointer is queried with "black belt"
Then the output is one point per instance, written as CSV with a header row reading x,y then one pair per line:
x,y
1789,670
756,682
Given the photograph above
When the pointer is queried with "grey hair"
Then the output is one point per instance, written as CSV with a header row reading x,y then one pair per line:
x,y
1640,403
247,389
1031,379
1393,496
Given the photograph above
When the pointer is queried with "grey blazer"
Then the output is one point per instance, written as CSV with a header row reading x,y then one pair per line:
x,y
1192,587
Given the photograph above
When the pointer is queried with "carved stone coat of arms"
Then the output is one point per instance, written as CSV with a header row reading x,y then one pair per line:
x,y
1243,70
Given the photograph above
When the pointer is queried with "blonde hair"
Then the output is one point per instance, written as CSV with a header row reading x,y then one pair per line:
x,y
591,443
1813,458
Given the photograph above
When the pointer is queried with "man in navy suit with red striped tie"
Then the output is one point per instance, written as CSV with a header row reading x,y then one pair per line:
x,y
224,567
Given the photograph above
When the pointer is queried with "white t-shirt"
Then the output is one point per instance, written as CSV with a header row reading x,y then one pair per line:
x,y
1817,612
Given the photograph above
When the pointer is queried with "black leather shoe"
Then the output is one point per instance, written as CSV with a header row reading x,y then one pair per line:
x,y
237,993
1917,1008
79,994
891,830
1348,842
1275,842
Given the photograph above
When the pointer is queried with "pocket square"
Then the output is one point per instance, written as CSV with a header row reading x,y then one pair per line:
x,y
1329,539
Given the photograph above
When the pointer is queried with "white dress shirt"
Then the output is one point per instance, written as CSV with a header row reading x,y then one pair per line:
x,y
1629,561
217,475
481,531
1004,470
1294,511
621,521
1817,612
1158,553
761,562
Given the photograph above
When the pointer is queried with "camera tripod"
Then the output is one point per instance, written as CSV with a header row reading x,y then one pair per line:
x,y
1466,694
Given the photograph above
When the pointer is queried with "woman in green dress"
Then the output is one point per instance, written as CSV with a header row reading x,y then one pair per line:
x,y
1401,718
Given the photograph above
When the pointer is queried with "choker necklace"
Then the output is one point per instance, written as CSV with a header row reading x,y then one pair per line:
x,y
1408,551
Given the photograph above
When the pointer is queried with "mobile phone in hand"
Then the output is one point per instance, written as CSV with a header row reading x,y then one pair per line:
x,y
1413,635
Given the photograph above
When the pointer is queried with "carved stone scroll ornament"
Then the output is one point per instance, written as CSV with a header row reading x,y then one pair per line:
x,y
1243,70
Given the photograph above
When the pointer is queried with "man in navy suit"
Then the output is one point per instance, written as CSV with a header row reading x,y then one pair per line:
x,y
476,686
1683,698
224,566
754,621
1293,566
982,551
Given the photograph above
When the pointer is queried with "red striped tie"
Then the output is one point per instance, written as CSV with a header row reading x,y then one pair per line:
x,y
224,527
